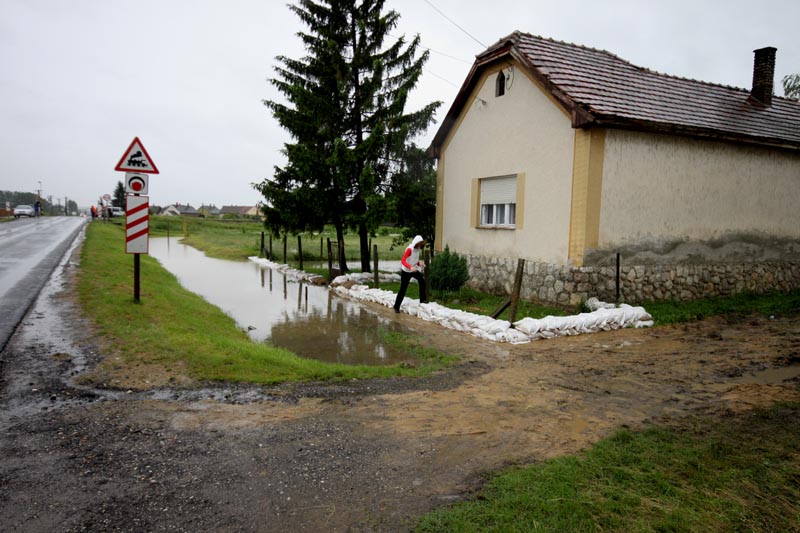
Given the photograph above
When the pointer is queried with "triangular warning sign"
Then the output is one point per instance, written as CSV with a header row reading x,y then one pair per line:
x,y
136,159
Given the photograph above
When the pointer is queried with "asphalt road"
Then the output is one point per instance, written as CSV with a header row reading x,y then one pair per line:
x,y
30,248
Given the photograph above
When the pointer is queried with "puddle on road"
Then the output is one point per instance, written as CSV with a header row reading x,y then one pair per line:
x,y
309,320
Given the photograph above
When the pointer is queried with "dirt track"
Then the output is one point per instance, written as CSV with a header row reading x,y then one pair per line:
x,y
364,456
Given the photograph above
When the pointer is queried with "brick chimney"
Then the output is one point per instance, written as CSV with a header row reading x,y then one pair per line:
x,y
763,74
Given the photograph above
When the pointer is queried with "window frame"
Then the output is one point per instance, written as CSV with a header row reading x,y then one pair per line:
x,y
500,84
497,215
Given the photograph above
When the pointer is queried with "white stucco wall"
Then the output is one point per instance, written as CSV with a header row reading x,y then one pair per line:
x,y
661,188
520,132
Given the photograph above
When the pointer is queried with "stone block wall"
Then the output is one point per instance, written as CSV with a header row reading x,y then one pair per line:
x,y
567,285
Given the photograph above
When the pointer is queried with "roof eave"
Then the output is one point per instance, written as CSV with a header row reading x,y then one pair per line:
x,y
647,126
504,49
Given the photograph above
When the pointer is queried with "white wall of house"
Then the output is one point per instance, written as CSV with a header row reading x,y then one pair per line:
x,y
523,131
661,188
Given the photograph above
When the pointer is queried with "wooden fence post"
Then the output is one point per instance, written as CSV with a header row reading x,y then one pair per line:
x,y
428,274
284,248
375,262
330,261
300,250
261,252
512,311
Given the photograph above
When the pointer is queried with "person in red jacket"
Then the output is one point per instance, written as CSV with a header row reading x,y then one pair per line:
x,y
410,267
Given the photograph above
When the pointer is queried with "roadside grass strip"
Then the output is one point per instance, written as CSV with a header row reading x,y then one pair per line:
x,y
604,317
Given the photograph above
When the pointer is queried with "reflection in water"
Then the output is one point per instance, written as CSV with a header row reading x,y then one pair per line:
x,y
310,321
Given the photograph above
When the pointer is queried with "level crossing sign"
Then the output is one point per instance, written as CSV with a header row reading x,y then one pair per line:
x,y
136,159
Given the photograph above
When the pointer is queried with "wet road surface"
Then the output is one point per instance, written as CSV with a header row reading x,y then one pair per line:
x,y
29,251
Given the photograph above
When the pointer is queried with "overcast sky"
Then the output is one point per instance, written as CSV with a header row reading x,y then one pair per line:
x,y
79,79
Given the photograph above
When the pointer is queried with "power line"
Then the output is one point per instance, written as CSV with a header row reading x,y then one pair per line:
x,y
454,23
436,51
441,78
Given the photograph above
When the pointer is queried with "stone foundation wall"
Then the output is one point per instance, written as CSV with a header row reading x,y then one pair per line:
x,y
638,283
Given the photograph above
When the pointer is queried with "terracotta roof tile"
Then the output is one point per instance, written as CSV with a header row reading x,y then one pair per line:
x,y
612,92
611,88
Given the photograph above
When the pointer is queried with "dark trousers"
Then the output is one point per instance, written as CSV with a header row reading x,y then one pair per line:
x,y
405,278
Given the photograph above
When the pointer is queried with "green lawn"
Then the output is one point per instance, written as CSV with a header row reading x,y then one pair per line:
x,y
739,474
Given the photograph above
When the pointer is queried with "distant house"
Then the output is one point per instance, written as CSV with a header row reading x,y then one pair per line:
x,y
180,210
209,211
240,210
155,210
567,156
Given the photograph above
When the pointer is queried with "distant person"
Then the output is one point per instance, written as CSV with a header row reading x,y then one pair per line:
x,y
37,208
94,212
410,268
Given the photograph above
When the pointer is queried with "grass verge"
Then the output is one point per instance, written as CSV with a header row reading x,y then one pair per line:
x,y
176,329
738,474
774,303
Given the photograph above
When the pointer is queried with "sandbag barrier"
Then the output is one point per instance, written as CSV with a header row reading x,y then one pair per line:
x,y
603,316
293,273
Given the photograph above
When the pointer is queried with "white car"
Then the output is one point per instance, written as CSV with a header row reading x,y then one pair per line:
x,y
117,211
24,211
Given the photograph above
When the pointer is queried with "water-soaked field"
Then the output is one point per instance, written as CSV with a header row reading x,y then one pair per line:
x,y
363,456
309,320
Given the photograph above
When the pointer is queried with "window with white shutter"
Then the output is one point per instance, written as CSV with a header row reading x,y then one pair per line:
x,y
498,202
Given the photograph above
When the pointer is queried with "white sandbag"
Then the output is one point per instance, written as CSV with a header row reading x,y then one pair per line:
x,y
594,304
528,325
497,326
516,337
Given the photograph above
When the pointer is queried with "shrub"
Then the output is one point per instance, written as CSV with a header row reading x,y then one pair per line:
x,y
448,271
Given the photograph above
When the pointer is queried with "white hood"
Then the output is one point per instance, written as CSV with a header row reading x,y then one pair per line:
x,y
416,240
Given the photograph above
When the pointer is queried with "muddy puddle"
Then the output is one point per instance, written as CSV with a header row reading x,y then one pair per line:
x,y
309,320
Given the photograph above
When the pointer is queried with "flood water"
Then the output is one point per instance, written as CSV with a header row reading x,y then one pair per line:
x,y
309,320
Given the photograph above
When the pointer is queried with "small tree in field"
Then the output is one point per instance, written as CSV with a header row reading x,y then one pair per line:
x,y
119,196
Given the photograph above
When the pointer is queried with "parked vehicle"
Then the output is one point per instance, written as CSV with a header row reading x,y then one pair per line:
x,y
117,211
23,210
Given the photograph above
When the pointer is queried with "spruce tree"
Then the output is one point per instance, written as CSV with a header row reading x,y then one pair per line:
x,y
345,111
119,196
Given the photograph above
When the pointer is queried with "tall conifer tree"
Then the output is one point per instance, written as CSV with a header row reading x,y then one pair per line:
x,y
345,111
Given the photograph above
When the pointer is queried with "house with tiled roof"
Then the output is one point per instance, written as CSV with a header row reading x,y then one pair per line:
x,y
239,210
209,210
576,160
180,210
